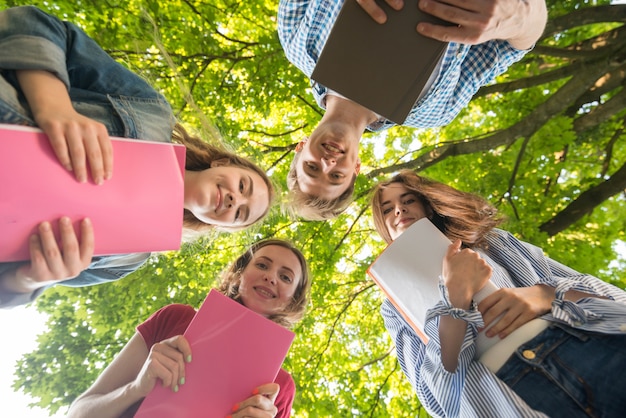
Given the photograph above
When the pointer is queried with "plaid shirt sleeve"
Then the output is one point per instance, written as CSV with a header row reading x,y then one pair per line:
x,y
304,26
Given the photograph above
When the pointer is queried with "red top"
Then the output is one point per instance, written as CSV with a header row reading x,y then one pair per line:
x,y
173,320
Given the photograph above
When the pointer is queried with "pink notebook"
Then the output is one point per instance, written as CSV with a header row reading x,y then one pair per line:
x,y
234,351
139,210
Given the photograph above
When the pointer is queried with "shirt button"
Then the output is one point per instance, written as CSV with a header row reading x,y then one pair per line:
x,y
528,354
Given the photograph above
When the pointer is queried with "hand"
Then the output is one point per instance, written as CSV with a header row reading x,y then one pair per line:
x,y
521,22
75,139
50,263
165,362
260,404
517,305
464,273
376,12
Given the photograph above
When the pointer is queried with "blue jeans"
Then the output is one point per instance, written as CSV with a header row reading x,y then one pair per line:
x,y
99,87
564,372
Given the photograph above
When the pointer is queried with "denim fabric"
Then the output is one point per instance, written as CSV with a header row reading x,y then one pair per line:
x,y
570,373
100,87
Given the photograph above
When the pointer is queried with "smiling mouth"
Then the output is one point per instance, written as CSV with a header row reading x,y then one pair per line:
x,y
332,148
265,292
404,221
218,204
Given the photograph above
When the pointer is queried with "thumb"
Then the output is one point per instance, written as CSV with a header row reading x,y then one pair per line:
x,y
269,390
454,248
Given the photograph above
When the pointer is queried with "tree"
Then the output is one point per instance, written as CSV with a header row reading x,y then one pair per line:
x,y
545,144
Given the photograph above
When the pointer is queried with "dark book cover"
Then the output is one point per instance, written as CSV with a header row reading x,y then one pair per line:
x,y
381,67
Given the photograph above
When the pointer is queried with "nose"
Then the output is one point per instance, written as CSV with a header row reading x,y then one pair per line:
x,y
327,164
230,200
400,209
270,277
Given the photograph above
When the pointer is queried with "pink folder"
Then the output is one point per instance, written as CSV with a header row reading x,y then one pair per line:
x,y
234,351
139,210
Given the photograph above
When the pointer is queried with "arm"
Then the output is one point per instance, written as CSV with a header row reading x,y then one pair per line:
x,y
520,22
579,300
132,375
75,139
464,273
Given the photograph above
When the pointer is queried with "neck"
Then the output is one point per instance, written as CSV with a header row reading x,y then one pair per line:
x,y
348,113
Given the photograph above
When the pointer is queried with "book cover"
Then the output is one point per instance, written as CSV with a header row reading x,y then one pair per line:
x,y
140,209
408,271
234,351
381,67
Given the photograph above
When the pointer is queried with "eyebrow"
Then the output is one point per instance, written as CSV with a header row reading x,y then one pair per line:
x,y
284,267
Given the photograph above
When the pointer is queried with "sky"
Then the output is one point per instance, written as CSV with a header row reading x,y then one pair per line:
x,y
19,328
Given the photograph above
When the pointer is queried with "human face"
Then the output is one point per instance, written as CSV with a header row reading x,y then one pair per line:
x,y
226,195
327,163
401,208
269,281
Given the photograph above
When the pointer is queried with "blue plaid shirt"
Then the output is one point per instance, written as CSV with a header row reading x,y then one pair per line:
x,y
304,26
472,390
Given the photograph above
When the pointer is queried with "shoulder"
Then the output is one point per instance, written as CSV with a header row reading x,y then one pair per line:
x,y
287,393
167,322
286,382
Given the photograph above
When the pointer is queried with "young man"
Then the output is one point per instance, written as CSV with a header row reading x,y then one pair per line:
x,y
489,36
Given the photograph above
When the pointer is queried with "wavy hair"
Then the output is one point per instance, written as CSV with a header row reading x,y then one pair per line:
x,y
231,279
458,214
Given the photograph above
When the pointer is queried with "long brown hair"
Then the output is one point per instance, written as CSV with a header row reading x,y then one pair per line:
x,y
200,155
458,214
231,279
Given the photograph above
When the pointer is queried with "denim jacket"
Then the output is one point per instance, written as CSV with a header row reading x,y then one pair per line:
x,y
99,87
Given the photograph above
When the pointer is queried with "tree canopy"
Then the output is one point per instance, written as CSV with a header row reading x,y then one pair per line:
x,y
545,144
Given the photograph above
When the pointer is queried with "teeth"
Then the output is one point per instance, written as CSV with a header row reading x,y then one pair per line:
x,y
268,294
332,148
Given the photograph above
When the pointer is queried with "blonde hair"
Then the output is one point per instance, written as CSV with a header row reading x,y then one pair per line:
x,y
458,214
231,279
200,155
314,208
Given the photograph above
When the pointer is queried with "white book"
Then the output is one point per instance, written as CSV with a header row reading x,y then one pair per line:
x,y
408,272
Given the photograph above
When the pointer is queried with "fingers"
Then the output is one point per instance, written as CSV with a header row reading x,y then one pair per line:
x,y
166,361
53,262
376,12
260,404
81,145
454,248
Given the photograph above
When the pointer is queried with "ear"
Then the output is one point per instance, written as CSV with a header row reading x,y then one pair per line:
x,y
300,145
357,169
220,163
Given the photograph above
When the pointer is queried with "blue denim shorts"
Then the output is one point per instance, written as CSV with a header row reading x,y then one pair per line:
x,y
565,372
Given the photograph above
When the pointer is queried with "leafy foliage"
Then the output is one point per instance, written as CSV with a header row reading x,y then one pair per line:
x,y
545,144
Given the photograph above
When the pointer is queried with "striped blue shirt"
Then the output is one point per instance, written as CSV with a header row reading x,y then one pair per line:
x,y
304,26
472,390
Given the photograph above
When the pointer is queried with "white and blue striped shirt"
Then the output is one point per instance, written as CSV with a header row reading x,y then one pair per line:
x,y
304,26
472,390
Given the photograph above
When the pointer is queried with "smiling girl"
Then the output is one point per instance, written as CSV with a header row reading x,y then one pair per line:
x,y
271,278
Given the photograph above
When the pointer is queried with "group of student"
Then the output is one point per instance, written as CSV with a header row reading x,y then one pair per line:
x,y
56,78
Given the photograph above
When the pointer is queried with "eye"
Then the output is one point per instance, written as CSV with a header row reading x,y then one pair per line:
x,y
387,210
337,176
286,278
261,265
410,201
311,166
241,186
